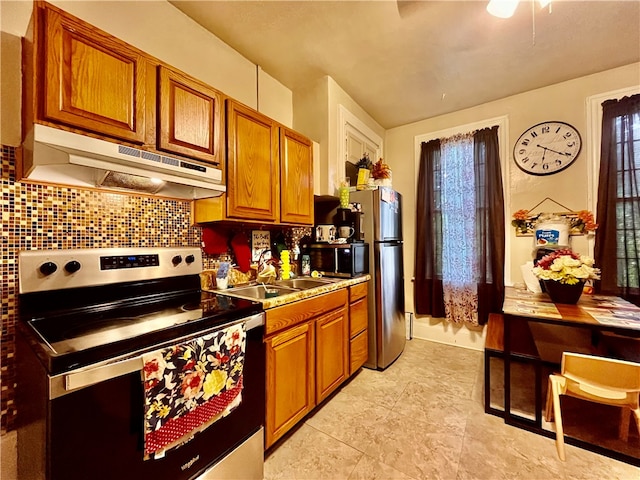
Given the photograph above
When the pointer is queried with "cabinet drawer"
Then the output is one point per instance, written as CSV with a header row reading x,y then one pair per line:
x,y
293,313
358,351
358,291
358,317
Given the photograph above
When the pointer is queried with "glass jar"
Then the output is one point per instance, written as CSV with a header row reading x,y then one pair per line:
x,y
343,192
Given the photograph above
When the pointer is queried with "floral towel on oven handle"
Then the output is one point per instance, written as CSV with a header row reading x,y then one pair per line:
x,y
188,387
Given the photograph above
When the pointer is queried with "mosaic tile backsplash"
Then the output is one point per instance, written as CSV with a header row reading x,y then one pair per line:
x,y
40,217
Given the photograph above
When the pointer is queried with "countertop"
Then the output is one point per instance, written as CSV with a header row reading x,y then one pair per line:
x,y
302,294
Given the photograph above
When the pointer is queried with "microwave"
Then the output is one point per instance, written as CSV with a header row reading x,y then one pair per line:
x,y
340,260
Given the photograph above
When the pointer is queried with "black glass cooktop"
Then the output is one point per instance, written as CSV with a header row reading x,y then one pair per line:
x,y
89,333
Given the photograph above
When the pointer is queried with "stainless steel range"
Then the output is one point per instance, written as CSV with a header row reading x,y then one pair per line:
x,y
88,320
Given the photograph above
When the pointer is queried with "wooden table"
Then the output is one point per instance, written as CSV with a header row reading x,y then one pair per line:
x,y
595,312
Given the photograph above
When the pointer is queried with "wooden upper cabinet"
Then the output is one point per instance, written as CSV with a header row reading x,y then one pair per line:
x,y
253,169
90,79
296,178
190,116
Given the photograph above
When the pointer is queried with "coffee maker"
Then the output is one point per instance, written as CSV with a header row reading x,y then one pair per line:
x,y
345,217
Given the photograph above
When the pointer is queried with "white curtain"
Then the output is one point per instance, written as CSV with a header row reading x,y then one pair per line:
x,y
459,274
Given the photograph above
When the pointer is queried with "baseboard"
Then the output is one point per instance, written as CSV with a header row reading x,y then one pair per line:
x,y
440,331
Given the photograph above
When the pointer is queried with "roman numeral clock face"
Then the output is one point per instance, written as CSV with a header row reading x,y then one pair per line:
x,y
547,148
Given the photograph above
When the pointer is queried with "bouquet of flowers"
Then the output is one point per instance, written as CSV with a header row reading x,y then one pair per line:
x,y
380,170
566,267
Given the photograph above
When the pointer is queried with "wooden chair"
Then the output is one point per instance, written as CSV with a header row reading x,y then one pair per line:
x,y
597,379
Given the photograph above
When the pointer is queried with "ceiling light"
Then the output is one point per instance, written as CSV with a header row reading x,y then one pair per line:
x,y
506,8
502,8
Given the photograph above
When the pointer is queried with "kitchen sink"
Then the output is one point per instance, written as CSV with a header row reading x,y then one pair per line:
x,y
259,292
281,287
303,283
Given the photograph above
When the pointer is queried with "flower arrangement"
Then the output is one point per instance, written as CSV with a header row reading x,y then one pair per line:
x,y
566,267
520,221
584,222
380,170
579,223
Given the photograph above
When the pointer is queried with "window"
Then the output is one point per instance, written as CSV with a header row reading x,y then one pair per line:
x,y
460,228
618,212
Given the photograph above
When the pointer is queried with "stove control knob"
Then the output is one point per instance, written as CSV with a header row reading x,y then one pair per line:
x,y
47,268
73,266
176,260
190,259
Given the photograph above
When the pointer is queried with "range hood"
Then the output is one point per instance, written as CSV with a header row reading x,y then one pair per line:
x,y
57,156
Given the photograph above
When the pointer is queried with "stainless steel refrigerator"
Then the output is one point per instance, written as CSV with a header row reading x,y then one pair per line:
x,y
383,231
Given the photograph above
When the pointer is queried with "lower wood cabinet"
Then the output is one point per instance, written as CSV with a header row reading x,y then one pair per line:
x,y
332,352
290,379
312,347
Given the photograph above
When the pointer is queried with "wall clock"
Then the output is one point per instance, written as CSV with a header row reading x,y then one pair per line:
x,y
547,148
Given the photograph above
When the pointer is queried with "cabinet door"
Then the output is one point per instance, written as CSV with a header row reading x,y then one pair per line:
x,y
332,352
253,169
296,178
190,117
290,379
91,80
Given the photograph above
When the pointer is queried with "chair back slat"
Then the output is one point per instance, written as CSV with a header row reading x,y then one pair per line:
x,y
603,371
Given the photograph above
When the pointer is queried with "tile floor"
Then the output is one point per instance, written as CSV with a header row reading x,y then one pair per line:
x,y
423,418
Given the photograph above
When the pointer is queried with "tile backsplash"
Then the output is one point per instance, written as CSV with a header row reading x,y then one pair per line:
x,y
40,217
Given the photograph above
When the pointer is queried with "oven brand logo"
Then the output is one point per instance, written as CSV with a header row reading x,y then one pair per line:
x,y
190,462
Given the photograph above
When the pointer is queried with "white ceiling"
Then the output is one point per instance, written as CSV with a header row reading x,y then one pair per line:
x,y
407,61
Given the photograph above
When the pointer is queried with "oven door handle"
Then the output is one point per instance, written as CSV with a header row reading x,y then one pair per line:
x,y
74,381
62,384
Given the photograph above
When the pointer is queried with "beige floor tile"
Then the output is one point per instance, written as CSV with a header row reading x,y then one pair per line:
x,y
405,444
584,465
349,418
423,418
441,408
380,388
311,454
492,449
370,469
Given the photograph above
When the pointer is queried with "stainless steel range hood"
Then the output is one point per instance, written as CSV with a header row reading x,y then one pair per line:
x,y
57,156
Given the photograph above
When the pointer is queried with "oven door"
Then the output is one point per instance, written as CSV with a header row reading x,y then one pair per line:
x,y
96,431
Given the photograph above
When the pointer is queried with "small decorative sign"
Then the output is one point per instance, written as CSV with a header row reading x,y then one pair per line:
x,y
260,241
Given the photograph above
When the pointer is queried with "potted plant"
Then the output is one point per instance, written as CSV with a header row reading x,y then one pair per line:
x,y
564,274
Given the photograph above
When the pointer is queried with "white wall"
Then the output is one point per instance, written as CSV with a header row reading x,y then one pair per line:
x,y
565,102
159,29
316,115
311,118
